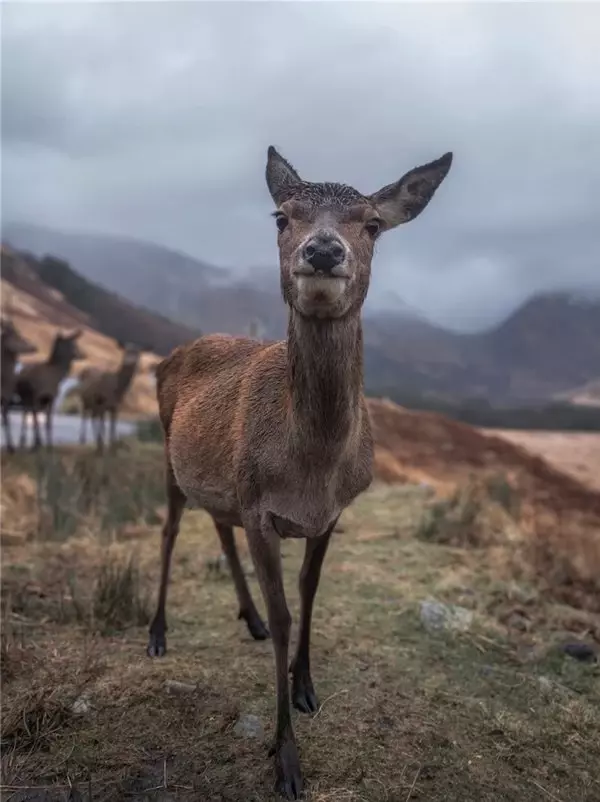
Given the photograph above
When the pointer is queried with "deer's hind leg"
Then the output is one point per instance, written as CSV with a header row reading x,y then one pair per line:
x,y
157,644
248,610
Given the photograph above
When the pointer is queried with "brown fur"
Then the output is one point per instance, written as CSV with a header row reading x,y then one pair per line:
x,y
102,393
13,344
38,382
275,437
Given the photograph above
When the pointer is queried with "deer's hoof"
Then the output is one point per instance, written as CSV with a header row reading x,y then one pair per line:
x,y
288,782
157,646
256,627
304,697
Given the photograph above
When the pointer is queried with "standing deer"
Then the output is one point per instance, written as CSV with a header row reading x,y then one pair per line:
x,y
13,345
275,437
37,384
102,393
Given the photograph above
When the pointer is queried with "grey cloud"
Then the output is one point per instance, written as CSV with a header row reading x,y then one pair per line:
x,y
153,120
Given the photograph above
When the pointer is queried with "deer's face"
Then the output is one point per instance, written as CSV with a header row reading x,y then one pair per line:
x,y
326,235
66,348
131,354
327,232
13,342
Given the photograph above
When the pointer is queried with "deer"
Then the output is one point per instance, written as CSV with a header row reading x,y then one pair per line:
x,y
13,346
38,383
275,437
102,393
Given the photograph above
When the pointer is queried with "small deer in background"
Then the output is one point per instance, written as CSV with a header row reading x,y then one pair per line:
x,y
102,393
37,385
275,437
13,346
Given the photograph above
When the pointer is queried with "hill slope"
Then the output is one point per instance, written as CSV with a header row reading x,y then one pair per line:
x,y
105,311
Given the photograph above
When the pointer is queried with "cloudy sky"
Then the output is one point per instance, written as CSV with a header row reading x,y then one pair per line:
x,y
153,119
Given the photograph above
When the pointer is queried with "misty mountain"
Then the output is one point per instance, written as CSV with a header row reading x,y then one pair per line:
x,y
173,284
547,347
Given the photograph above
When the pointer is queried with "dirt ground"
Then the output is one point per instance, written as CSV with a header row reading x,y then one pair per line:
x,y
576,453
494,712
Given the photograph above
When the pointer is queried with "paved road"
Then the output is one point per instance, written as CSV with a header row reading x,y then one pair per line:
x,y
65,428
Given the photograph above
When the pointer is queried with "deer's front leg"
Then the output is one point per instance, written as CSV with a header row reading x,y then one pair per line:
x,y
303,692
265,550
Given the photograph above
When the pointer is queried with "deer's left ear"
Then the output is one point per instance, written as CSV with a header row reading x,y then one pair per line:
x,y
405,199
280,175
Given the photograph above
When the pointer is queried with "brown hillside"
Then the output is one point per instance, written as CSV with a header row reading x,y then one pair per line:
x,y
41,312
430,447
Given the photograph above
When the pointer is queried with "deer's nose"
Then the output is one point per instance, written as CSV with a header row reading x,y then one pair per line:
x,y
324,253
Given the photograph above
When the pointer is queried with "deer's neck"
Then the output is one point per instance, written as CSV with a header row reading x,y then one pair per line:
x,y
59,367
125,377
325,377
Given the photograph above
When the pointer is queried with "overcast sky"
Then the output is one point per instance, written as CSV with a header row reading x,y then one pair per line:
x,y
153,120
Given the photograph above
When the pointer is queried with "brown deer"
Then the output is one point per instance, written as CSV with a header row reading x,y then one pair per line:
x,y
38,383
275,437
13,345
102,393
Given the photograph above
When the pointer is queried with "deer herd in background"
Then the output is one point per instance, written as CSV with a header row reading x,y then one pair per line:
x,y
37,384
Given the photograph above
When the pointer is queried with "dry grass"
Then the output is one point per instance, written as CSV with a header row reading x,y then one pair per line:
x,y
576,453
494,713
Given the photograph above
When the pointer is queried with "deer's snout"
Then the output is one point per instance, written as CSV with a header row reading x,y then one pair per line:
x,y
323,252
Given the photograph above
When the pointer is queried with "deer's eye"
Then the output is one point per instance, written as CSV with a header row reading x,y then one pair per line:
x,y
281,221
373,226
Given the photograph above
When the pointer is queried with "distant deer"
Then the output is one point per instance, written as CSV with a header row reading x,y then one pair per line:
x,y
13,345
102,393
275,437
38,383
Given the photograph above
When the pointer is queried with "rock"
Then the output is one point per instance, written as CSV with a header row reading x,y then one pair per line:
x,y
438,617
81,706
173,686
248,726
553,689
581,651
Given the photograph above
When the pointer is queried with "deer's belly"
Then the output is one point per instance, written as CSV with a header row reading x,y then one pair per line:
x,y
285,527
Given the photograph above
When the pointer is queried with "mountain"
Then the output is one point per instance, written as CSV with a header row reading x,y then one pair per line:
x,y
149,275
176,285
545,349
63,291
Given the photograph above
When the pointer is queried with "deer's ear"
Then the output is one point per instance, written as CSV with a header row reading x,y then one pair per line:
x,y
405,199
281,176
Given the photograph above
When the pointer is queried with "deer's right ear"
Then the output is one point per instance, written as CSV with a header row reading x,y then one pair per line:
x,y
281,176
405,199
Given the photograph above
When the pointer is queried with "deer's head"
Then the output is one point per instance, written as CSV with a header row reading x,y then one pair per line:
x,y
327,232
130,353
65,349
13,342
